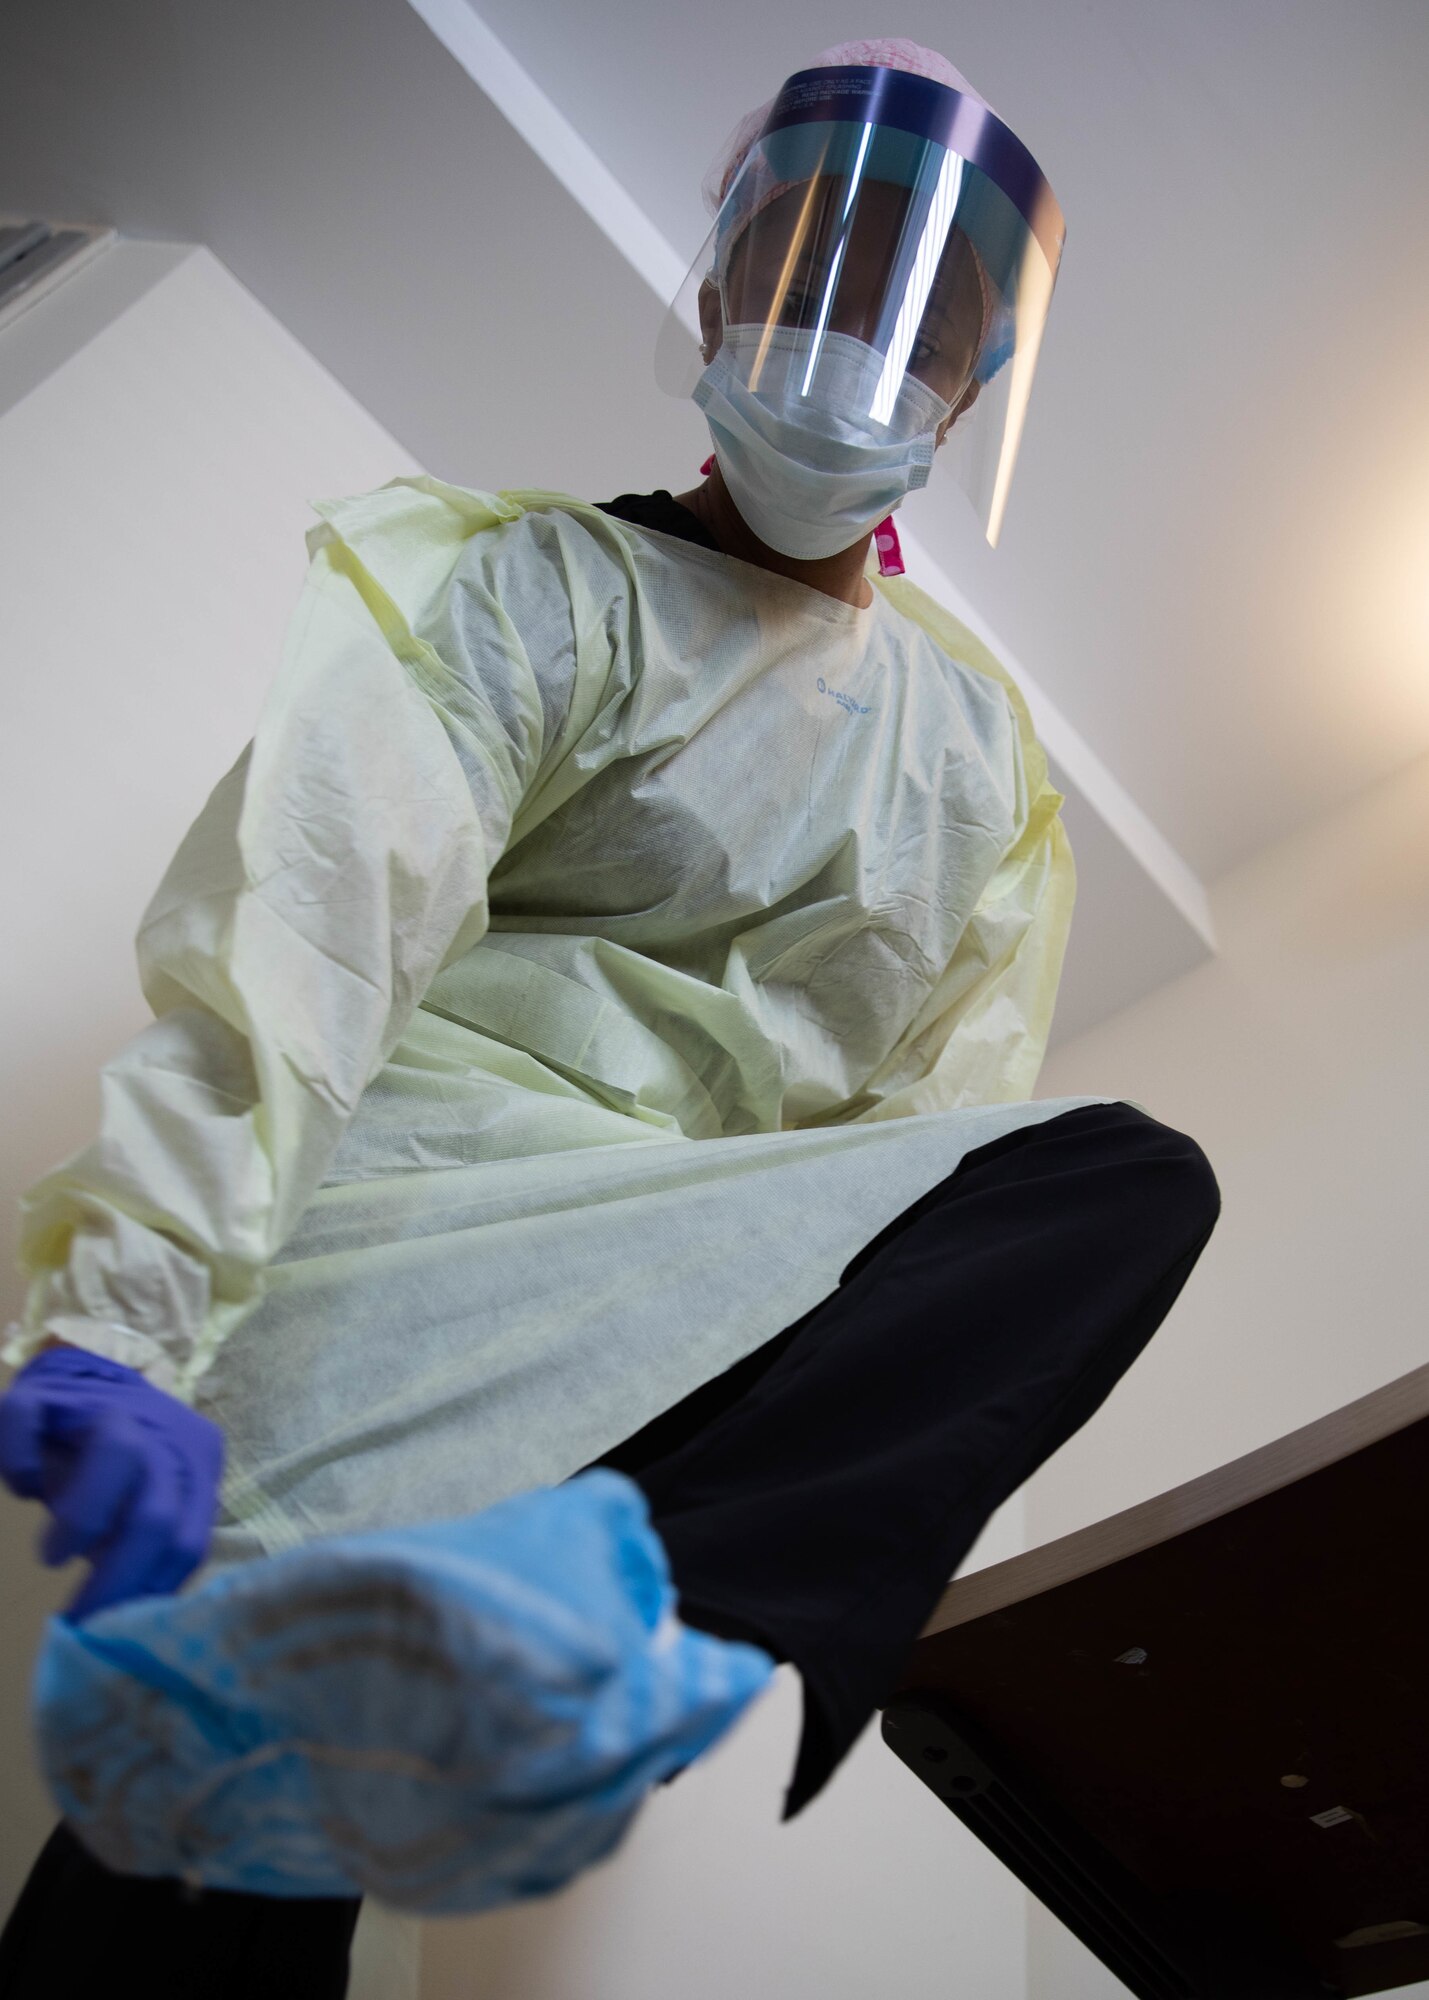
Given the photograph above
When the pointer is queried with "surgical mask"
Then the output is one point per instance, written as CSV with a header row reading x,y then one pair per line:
x,y
808,473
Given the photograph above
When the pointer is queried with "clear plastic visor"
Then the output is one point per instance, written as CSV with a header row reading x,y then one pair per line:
x,y
836,232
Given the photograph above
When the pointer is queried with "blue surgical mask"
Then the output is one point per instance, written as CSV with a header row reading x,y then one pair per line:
x,y
808,474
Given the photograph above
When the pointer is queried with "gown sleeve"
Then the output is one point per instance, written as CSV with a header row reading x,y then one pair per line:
x,y
337,867
981,1034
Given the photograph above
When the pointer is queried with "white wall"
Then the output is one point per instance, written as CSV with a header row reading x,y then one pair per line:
x,y
160,436
1299,1059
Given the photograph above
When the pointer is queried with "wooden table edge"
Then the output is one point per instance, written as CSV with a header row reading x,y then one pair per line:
x,y
1280,1463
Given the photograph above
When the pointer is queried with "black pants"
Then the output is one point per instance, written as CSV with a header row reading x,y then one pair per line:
x,y
815,1498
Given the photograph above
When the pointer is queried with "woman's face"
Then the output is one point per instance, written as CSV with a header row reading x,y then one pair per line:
x,y
777,273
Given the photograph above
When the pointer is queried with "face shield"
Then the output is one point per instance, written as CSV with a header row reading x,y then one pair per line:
x,y
878,274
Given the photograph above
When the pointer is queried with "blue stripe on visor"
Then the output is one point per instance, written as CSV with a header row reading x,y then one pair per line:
x,y
897,101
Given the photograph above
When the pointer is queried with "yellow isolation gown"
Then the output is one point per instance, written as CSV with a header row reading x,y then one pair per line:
x,y
600,941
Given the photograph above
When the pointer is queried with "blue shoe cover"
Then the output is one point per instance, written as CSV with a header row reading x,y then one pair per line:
x,y
447,1717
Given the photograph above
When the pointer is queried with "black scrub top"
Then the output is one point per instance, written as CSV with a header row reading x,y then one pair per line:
x,y
661,511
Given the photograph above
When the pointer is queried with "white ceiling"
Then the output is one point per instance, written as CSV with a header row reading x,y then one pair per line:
x,y
1216,559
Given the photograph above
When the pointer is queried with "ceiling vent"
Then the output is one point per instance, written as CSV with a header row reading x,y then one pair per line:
x,y
36,255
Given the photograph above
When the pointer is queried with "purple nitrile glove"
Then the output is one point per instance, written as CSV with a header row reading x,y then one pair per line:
x,y
130,1474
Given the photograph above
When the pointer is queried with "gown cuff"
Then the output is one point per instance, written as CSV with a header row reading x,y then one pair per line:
x,y
105,1337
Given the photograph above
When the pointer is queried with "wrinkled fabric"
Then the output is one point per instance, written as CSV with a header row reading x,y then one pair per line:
x,y
587,902
450,1717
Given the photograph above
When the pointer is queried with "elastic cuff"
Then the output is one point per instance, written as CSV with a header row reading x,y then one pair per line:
x,y
95,1336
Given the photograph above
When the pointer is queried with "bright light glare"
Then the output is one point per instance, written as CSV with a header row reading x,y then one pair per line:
x,y
824,310
920,283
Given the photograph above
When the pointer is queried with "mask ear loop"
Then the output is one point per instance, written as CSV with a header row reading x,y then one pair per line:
x,y
890,551
885,535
